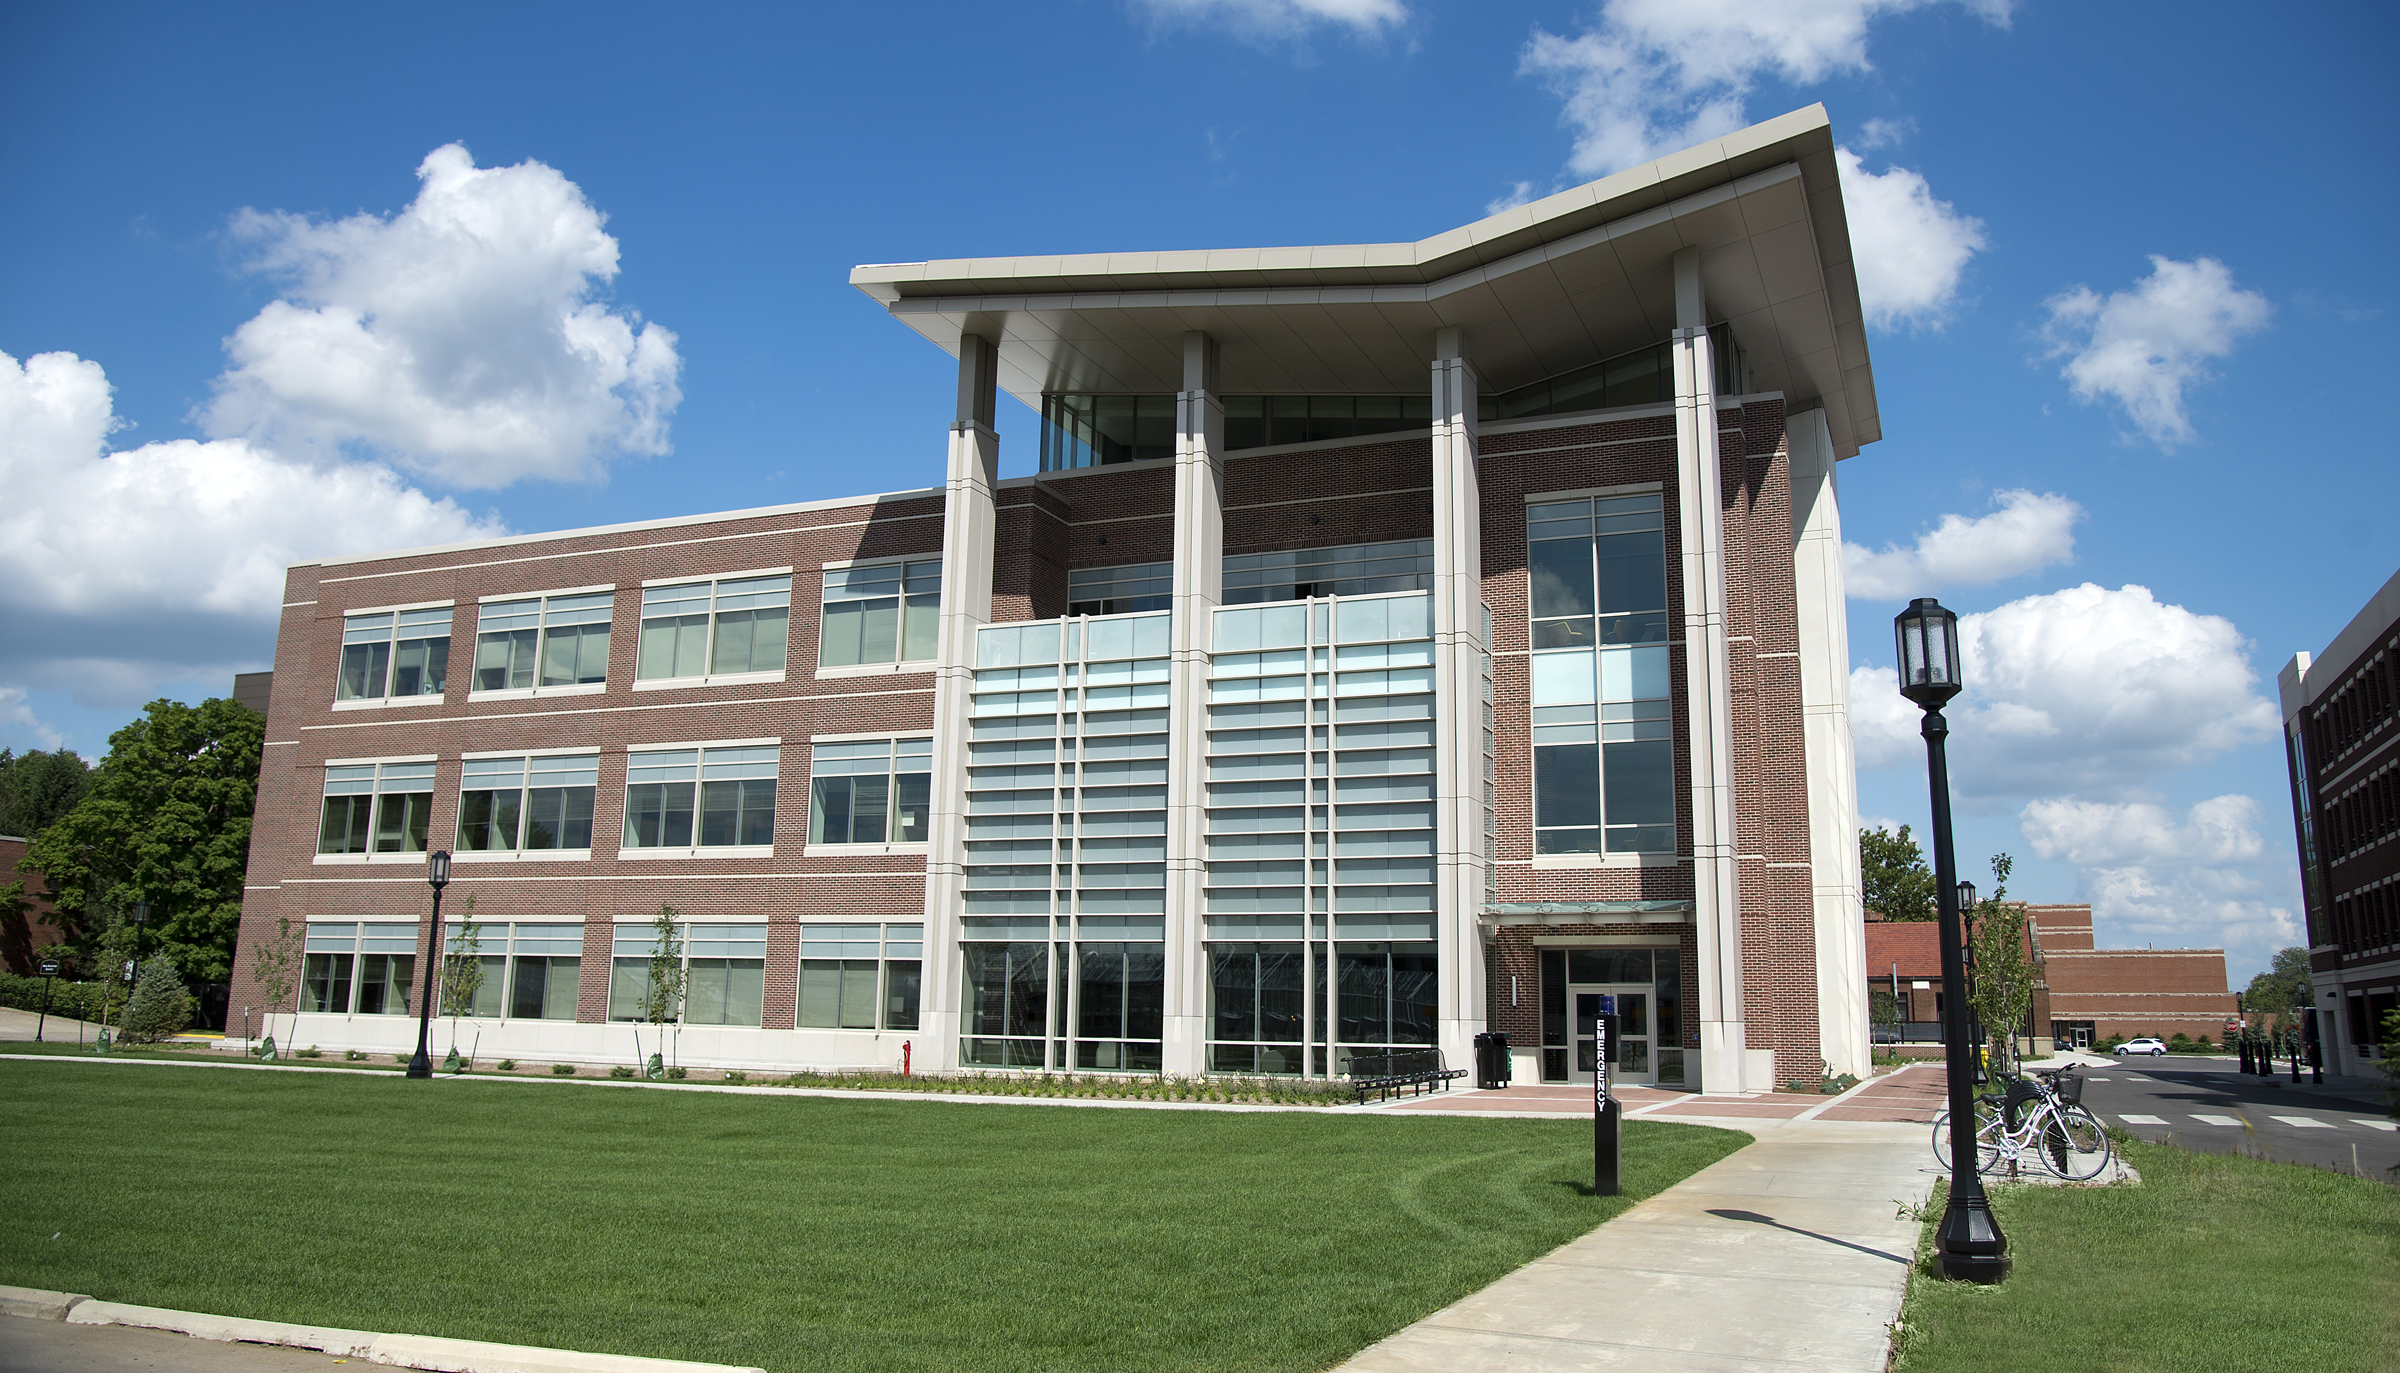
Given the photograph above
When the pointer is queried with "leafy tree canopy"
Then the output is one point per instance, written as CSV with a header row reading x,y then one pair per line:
x,y
167,821
36,788
1898,884
2282,986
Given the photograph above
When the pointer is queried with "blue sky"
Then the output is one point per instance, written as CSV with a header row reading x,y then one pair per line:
x,y
2134,315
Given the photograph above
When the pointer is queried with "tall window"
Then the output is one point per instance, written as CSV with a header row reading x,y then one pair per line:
x,y
394,655
1603,755
729,627
860,977
874,792
724,973
881,613
376,808
544,802
692,799
542,641
354,969
545,967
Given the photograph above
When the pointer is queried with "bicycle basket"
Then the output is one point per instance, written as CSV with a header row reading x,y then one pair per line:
x,y
2070,1088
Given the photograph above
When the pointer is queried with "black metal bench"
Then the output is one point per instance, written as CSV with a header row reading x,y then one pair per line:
x,y
1417,1069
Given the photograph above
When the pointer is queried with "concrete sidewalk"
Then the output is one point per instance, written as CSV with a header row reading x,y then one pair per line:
x,y
1790,1254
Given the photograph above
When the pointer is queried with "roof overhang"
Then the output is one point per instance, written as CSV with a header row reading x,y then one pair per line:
x,y
1540,289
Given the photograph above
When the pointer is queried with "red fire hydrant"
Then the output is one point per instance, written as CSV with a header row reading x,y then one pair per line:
x,y
905,1046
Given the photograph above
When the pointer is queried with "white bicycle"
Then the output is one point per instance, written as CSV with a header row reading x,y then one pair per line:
x,y
2038,1118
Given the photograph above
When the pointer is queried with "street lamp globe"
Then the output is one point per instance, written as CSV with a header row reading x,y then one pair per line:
x,y
1928,653
1966,896
437,869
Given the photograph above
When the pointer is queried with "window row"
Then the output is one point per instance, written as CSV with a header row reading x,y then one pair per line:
x,y
852,976
2367,920
2363,705
2368,814
691,799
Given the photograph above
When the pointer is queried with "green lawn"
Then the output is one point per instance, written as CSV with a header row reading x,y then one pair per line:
x,y
2214,1262
788,1232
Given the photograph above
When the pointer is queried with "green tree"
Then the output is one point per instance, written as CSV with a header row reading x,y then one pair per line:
x,y
276,969
2005,972
160,1006
167,821
1896,883
2284,985
462,971
36,788
662,999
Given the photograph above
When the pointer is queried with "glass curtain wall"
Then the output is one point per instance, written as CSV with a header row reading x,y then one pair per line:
x,y
1066,845
1320,866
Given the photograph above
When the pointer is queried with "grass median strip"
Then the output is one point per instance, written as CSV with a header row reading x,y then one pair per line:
x,y
788,1232
2215,1260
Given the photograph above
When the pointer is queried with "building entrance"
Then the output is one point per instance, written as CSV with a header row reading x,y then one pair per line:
x,y
1634,1064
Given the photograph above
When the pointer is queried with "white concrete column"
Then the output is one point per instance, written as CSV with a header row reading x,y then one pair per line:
x,y
1461,657
1199,587
968,523
1842,1019
1708,704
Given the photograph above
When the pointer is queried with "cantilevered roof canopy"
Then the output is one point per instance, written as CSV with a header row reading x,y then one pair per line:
x,y
1539,290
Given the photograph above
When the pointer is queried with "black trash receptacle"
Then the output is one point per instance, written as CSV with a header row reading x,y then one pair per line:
x,y
1491,1059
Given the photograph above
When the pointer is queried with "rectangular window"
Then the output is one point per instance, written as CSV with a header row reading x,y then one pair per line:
x,y
724,973
394,655
729,627
1604,764
527,804
880,613
376,808
694,799
359,969
543,641
1007,1003
877,791
1349,570
1120,590
860,977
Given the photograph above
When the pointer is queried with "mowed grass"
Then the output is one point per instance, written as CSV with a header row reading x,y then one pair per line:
x,y
786,1232
2215,1261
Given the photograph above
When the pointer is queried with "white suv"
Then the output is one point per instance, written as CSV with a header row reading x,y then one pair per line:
x,y
2145,1045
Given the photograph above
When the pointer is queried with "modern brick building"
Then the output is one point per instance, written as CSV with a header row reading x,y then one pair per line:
x,y
2341,723
2095,993
1397,641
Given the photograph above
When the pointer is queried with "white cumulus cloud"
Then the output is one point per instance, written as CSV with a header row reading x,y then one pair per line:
x,y
1269,19
120,569
2087,691
2144,347
1654,76
2024,532
18,725
461,339
2194,881
1909,248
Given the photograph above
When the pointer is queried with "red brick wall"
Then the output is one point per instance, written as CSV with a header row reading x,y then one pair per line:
x,y
23,935
303,731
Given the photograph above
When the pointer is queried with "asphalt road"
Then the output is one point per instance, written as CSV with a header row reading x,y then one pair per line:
x,y
36,1346
2210,1105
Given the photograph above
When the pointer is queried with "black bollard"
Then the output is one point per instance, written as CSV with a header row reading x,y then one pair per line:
x,y
1608,1151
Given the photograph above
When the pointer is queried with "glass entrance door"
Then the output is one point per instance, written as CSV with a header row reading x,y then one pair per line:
x,y
1633,1063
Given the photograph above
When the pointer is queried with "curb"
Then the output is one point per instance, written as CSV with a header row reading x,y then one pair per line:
x,y
401,1351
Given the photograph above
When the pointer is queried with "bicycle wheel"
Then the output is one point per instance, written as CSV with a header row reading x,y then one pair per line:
x,y
2074,1144
1987,1143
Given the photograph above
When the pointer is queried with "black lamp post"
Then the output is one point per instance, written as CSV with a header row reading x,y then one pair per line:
x,y
437,874
141,918
49,970
1968,1245
1966,921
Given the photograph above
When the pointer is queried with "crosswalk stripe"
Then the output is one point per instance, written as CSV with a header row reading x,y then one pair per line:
x,y
2304,1122
2141,1120
2384,1125
2216,1120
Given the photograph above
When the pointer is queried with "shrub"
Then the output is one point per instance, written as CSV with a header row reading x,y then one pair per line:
x,y
506,1065
159,1007
68,1000
354,1056
312,1051
2179,1037
620,1071
737,1077
676,1074
403,1058
563,1069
